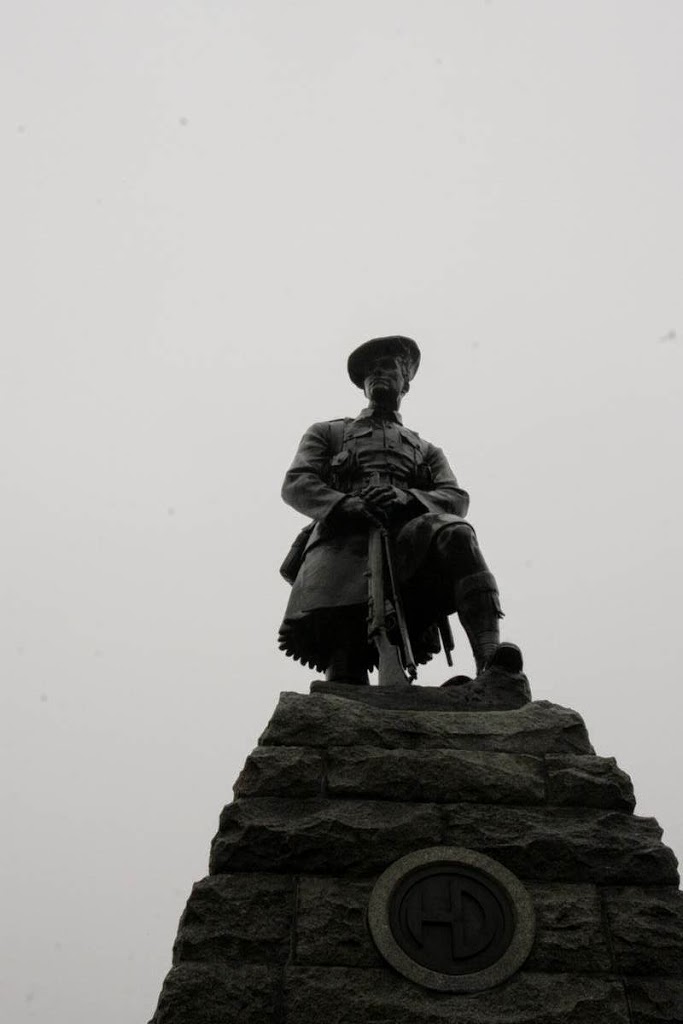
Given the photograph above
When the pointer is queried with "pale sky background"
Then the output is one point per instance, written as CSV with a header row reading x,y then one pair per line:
x,y
206,205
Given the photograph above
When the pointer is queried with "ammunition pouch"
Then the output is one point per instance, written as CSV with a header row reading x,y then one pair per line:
x,y
295,556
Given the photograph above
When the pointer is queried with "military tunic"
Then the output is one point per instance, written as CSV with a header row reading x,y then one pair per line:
x,y
340,457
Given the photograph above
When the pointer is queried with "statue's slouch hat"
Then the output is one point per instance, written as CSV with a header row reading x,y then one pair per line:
x,y
394,344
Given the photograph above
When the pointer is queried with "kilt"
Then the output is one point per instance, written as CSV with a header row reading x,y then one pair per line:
x,y
330,593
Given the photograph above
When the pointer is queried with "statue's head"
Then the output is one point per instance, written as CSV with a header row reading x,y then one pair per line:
x,y
384,367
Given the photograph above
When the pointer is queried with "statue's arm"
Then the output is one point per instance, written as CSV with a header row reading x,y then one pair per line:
x,y
305,486
444,495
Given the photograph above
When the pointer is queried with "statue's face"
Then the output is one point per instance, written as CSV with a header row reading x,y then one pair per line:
x,y
384,380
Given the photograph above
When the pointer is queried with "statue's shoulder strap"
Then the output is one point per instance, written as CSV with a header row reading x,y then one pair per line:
x,y
337,432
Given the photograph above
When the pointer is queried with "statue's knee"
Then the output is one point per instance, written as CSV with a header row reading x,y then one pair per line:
x,y
459,539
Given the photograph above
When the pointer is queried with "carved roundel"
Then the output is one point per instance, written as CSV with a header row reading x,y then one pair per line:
x,y
451,919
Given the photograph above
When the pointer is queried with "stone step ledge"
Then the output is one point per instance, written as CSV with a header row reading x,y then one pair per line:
x,y
468,776
328,721
362,837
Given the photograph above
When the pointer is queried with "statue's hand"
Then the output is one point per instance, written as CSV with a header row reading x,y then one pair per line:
x,y
386,500
355,511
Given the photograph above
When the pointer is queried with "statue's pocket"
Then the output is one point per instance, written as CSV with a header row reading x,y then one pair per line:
x,y
341,469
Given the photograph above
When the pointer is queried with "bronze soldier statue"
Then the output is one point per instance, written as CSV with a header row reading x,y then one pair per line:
x,y
369,477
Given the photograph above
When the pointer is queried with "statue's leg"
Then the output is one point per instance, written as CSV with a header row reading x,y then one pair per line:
x,y
346,667
474,592
348,660
478,607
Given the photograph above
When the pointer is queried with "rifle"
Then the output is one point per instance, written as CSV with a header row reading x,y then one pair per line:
x,y
396,662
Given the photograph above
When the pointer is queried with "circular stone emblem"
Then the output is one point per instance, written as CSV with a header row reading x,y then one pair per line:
x,y
451,919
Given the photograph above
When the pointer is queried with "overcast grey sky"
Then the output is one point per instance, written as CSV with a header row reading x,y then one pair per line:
x,y
206,205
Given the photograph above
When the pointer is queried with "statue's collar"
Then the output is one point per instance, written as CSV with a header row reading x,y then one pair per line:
x,y
394,417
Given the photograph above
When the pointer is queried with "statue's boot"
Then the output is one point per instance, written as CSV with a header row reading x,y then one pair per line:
x,y
347,666
507,657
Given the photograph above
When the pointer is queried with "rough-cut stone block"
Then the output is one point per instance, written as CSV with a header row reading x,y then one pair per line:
x,y
331,923
647,930
492,691
587,781
237,917
213,994
569,931
356,837
331,927
324,721
438,775
655,1000
563,844
347,996
281,771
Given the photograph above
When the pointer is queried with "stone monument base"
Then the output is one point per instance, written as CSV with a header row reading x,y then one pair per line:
x,y
341,787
